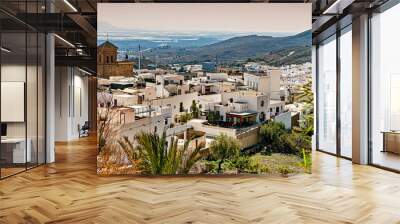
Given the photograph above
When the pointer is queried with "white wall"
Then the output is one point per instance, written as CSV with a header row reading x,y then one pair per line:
x,y
259,83
15,73
275,83
12,73
204,100
71,102
148,124
286,119
174,101
33,125
80,97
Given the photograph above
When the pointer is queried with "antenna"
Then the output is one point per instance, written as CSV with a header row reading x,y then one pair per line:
x,y
139,57
216,62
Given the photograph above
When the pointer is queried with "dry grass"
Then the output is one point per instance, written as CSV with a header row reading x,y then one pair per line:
x,y
276,161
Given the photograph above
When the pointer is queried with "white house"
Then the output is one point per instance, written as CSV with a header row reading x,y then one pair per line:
x,y
178,103
217,76
267,82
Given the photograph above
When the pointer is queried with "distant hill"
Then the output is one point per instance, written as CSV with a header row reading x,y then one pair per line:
x,y
287,56
239,49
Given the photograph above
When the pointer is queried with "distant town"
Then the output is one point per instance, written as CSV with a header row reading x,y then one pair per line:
x,y
198,101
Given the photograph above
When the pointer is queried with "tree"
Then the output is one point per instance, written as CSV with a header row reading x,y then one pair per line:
x,y
224,147
271,135
195,109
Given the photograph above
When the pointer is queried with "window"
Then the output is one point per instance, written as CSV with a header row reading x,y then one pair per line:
x,y
262,103
385,88
181,109
22,65
262,116
346,92
326,96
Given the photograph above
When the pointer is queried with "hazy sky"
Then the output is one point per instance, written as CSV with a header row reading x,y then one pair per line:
x,y
200,17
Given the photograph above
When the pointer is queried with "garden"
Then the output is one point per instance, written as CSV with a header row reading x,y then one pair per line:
x,y
280,151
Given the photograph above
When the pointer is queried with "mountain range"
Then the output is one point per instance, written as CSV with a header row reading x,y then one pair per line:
x,y
224,48
239,49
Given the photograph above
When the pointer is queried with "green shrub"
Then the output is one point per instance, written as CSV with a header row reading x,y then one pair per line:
x,y
255,165
184,118
264,169
271,136
249,164
284,170
294,143
211,166
241,163
276,138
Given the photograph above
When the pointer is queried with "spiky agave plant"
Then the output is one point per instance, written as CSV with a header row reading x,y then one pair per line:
x,y
158,159
152,151
173,158
191,157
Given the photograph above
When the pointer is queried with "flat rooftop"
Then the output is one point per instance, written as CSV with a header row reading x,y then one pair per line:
x,y
246,113
276,102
